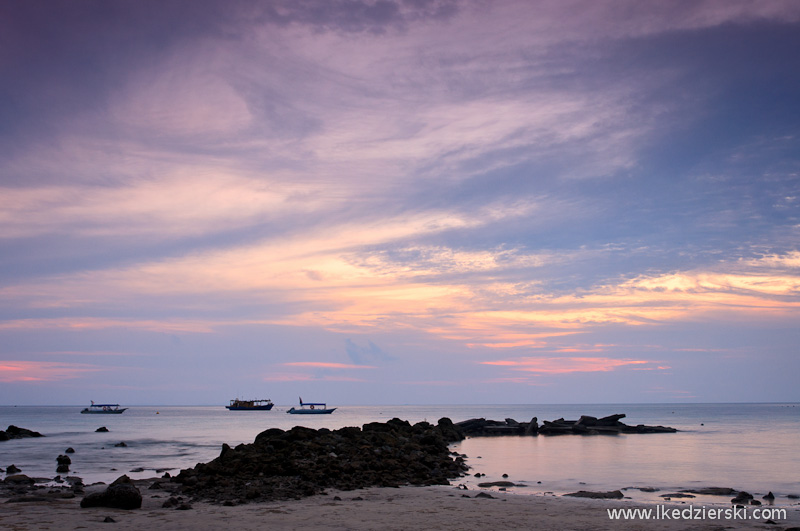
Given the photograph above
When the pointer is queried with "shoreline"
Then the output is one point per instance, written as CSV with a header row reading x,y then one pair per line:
x,y
406,507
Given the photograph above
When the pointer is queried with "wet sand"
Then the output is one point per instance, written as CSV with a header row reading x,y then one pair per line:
x,y
438,507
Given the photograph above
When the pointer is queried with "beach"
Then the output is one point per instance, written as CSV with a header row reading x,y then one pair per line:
x,y
433,507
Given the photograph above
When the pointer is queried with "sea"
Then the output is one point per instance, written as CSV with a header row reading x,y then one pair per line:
x,y
751,447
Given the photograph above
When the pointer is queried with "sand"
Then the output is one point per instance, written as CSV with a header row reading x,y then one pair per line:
x,y
439,507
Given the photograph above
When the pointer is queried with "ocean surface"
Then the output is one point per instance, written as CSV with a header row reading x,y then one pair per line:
x,y
751,447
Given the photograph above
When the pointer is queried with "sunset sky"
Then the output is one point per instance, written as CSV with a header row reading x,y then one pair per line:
x,y
399,201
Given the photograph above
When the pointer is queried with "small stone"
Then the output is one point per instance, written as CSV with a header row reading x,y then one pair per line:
x,y
101,429
109,520
69,450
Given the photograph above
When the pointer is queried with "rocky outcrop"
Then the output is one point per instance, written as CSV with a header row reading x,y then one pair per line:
x,y
121,494
585,425
13,432
302,461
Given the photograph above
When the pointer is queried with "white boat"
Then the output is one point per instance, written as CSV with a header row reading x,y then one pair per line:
x,y
311,408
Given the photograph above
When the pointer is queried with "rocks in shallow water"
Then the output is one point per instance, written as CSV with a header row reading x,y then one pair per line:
x,y
19,479
121,444
713,491
743,498
677,495
13,432
768,496
12,470
121,494
302,461
611,495
585,425
101,429
69,450
61,469
497,484
63,460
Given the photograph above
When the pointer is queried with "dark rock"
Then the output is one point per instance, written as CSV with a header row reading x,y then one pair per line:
x,y
484,495
678,495
121,494
769,496
755,502
19,479
121,445
497,484
61,469
63,460
12,470
614,494
713,491
743,498
302,462
101,429
69,450
109,520
505,475
13,432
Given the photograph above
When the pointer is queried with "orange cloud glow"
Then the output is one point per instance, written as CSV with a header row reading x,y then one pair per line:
x,y
41,371
552,365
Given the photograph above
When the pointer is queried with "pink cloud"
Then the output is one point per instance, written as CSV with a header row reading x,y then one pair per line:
x,y
42,371
562,365
326,365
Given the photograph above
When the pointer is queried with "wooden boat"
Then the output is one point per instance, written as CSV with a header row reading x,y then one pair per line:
x,y
250,405
103,409
311,408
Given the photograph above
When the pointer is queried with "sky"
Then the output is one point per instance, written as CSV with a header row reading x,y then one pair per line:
x,y
399,201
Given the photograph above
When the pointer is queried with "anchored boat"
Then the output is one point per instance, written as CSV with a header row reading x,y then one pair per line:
x,y
311,408
250,405
104,409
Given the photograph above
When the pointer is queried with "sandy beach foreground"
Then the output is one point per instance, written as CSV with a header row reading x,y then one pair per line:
x,y
436,507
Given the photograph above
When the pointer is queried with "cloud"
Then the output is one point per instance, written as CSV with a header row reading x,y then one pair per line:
x,y
564,365
327,365
43,371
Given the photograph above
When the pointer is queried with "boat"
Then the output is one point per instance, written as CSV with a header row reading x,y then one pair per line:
x,y
311,408
103,409
250,405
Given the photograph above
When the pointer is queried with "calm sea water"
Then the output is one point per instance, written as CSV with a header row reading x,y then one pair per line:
x,y
751,447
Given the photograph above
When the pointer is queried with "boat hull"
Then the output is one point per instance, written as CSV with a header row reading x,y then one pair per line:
x,y
294,411
109,412
254,408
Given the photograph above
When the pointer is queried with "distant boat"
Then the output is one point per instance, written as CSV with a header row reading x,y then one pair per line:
x,y
103,409
250,405
311,408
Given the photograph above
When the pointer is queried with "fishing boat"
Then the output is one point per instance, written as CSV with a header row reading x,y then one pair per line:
x,y
250,405
311,408
103,409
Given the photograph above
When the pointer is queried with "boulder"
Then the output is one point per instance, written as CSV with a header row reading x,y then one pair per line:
x,y
13,432
12,470
101,429
121,494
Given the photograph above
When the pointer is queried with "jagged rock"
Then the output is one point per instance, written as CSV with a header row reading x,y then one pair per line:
x,y
302,461
614,494
12,470
768,496
121,494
